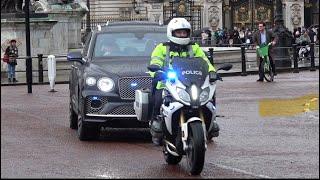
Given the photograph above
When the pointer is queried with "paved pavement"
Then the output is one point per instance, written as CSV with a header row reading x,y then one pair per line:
x,y
36,141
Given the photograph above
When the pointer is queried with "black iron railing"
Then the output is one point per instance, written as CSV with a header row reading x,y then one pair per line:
x,y
244,63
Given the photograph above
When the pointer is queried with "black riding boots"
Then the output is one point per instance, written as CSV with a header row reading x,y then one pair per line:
x,y
156,131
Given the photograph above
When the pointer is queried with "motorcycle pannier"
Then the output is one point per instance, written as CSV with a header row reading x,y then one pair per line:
x,y
142,104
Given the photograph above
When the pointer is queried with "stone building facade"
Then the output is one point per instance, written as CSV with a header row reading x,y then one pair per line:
x,y
214,13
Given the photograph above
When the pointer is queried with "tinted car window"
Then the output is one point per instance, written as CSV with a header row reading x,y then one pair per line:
x,y
127,44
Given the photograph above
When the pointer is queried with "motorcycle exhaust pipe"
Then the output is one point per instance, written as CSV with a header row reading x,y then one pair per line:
x,y
170,145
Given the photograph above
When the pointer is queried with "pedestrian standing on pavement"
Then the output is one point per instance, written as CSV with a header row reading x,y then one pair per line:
x,y
12,52
235,37
264,37
242,36
304,39
204,38
312,35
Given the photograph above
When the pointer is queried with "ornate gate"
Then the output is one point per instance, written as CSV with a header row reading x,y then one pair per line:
x,y
183,8
247,13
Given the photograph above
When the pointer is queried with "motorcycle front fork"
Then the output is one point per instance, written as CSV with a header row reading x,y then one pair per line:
x,y
185,128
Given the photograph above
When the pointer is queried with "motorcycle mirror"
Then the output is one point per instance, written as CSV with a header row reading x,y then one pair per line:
x,y
225,67
154,68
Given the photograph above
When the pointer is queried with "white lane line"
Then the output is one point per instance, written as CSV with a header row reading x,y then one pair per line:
x,y
239,170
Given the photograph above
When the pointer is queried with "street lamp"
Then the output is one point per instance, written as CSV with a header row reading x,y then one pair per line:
x,y
28,47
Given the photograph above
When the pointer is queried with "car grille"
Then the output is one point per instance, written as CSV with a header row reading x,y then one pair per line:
x,y
126,90
123,110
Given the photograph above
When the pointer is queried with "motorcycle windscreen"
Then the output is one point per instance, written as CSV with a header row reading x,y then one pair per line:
x,y
190,70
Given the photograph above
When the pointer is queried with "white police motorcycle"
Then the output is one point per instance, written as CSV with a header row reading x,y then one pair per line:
x,y
187,109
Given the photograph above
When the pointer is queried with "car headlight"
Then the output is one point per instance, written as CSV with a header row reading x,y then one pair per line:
x,y
183,95
91,81
204,95
105,84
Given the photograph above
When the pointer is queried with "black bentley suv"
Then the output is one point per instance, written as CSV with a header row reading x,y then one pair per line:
x,y
106,73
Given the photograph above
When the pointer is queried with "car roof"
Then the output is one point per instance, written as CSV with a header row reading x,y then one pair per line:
x,y
124,23
133,26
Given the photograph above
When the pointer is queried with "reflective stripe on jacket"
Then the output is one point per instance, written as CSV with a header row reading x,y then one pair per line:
x,y
158,57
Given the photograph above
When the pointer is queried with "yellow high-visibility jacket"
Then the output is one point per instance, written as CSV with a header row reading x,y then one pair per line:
x,y
159,53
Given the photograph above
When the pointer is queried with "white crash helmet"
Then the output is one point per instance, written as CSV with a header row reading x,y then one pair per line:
x,y
175,24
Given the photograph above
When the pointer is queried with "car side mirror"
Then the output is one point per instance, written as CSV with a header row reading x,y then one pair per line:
x,y
75,56
154,68
225,67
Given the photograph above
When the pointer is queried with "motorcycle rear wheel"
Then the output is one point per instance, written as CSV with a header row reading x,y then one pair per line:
x,y
196,148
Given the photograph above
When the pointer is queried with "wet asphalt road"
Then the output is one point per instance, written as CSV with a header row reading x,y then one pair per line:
x,y
36,140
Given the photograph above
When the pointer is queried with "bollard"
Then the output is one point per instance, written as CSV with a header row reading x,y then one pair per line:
x,y
312,68
295,59
52,72
211,55
29,73
40,68
243,60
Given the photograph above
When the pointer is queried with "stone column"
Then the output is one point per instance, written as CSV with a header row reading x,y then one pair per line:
x,y
227,14
67,32
212,14
155,12
294,14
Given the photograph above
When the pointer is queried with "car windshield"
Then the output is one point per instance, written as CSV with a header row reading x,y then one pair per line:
x,y
127,44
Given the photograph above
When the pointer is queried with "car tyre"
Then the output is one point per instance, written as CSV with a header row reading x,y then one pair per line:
x,y
87,132
73,116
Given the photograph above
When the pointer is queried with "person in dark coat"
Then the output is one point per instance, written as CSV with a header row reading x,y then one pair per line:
x,y
235,37
262,36
311,34
12,52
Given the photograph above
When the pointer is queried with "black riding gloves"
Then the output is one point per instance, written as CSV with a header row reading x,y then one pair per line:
x,y
159,75
213,76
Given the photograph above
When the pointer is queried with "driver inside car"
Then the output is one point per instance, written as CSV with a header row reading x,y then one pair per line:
x,y
179,45
109,49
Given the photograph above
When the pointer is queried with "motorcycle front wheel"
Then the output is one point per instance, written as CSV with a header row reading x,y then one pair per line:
x,y
196,148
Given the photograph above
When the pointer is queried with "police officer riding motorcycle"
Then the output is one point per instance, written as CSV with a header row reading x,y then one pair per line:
x,y
183,87
179,45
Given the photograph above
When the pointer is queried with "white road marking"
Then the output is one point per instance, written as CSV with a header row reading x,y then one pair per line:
x,y
239,170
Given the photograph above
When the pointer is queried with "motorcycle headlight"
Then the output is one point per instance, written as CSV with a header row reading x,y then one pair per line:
x,y
105,84
183,95
194,92
91,81
204,95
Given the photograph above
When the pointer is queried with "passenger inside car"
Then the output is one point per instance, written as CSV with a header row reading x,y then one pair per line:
x,y
126,44
110,49
131,51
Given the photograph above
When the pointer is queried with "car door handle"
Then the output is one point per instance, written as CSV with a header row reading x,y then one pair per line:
x,y
74,67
